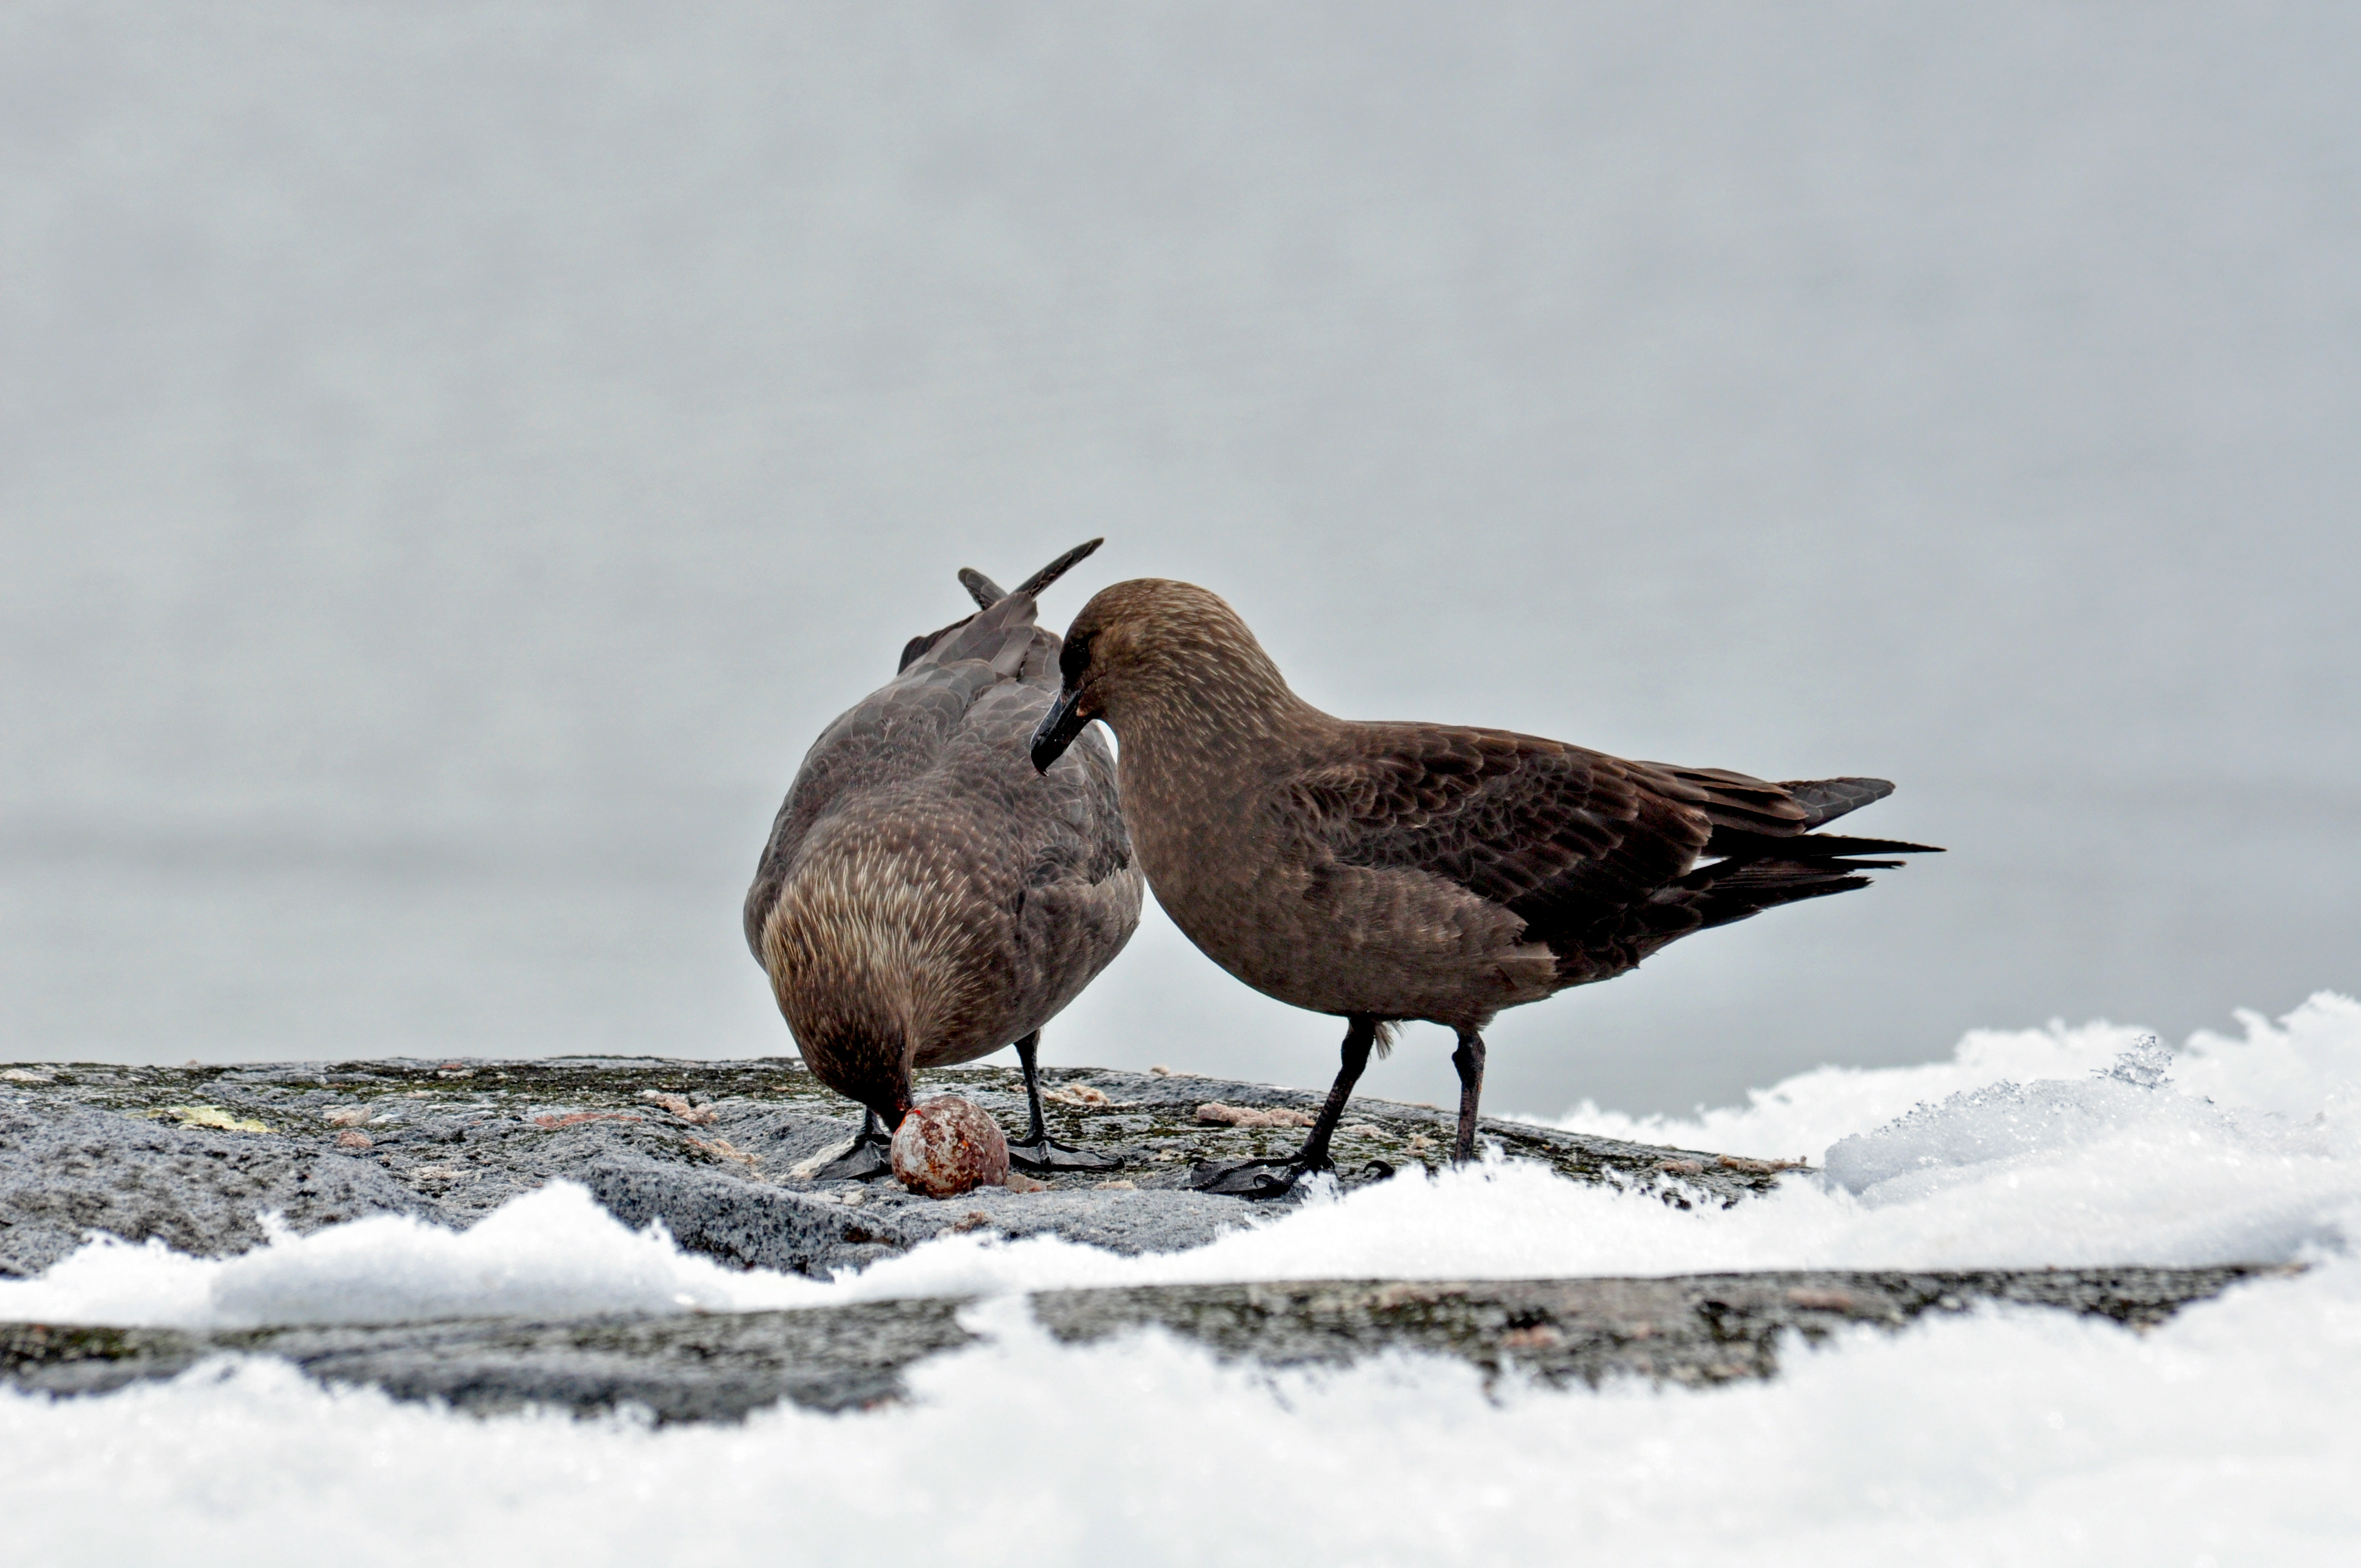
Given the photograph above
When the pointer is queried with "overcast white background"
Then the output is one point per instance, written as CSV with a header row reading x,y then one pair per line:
x,y
453,458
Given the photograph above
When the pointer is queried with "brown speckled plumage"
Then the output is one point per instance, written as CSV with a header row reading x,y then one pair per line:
x,y
1392,872
925,896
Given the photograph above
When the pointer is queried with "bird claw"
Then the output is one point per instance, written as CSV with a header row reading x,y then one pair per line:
x,y
1050,1154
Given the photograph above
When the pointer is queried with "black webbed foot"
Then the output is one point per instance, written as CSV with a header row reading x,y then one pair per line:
x,y
870,1157
1271,1177
1257,1179
1037,1150
1246,1178
862,1162
1048,1154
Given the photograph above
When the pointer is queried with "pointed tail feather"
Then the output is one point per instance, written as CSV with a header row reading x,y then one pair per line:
x,y
1810,846
1733,890
1059,567
987,593
980,589
1825,800
1000,636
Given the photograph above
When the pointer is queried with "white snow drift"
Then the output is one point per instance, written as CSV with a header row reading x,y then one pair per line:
x,y
2010,1436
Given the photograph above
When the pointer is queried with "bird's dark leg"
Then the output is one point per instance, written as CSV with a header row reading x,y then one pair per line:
x,y
1469,1059
1038,1151
869,1156
1270,1178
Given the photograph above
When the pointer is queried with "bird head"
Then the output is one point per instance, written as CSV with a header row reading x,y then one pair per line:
x,y
1151,646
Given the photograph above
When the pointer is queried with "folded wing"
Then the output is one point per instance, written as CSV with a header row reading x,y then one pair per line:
x,y
1605,860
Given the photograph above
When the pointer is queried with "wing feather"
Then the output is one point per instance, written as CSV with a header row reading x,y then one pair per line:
x,y
1562,836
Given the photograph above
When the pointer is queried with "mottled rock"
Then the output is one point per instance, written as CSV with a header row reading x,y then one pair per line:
x,y
455,1140
66,1172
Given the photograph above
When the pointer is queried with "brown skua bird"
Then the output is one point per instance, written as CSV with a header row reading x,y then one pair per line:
x,y
925,897
1385,873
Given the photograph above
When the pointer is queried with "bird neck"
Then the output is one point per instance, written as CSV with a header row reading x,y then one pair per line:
x,y
1198,754
1216,712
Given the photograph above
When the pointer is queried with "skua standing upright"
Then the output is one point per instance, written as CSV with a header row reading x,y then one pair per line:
x,y
1385,873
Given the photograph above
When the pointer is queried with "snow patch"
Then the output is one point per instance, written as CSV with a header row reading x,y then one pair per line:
x,y
2306,1063
2002,1436
553,1253
2120,1163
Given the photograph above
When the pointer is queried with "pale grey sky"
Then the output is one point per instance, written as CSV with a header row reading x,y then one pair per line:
x,y
452,459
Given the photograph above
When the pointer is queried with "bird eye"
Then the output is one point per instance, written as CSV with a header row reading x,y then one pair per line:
x,y
1074,658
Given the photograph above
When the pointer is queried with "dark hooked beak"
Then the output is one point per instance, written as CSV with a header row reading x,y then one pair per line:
x,y
1058,729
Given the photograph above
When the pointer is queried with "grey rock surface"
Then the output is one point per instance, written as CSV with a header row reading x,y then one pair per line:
x,y
694,1367
712,1149
196,1156
738,1221
66,1172
1694,1332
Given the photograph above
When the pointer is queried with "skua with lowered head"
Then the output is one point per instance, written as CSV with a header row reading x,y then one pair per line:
x,y
1386,872
925,896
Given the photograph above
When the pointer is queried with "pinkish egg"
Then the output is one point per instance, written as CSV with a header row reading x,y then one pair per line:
x,y
946,1146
